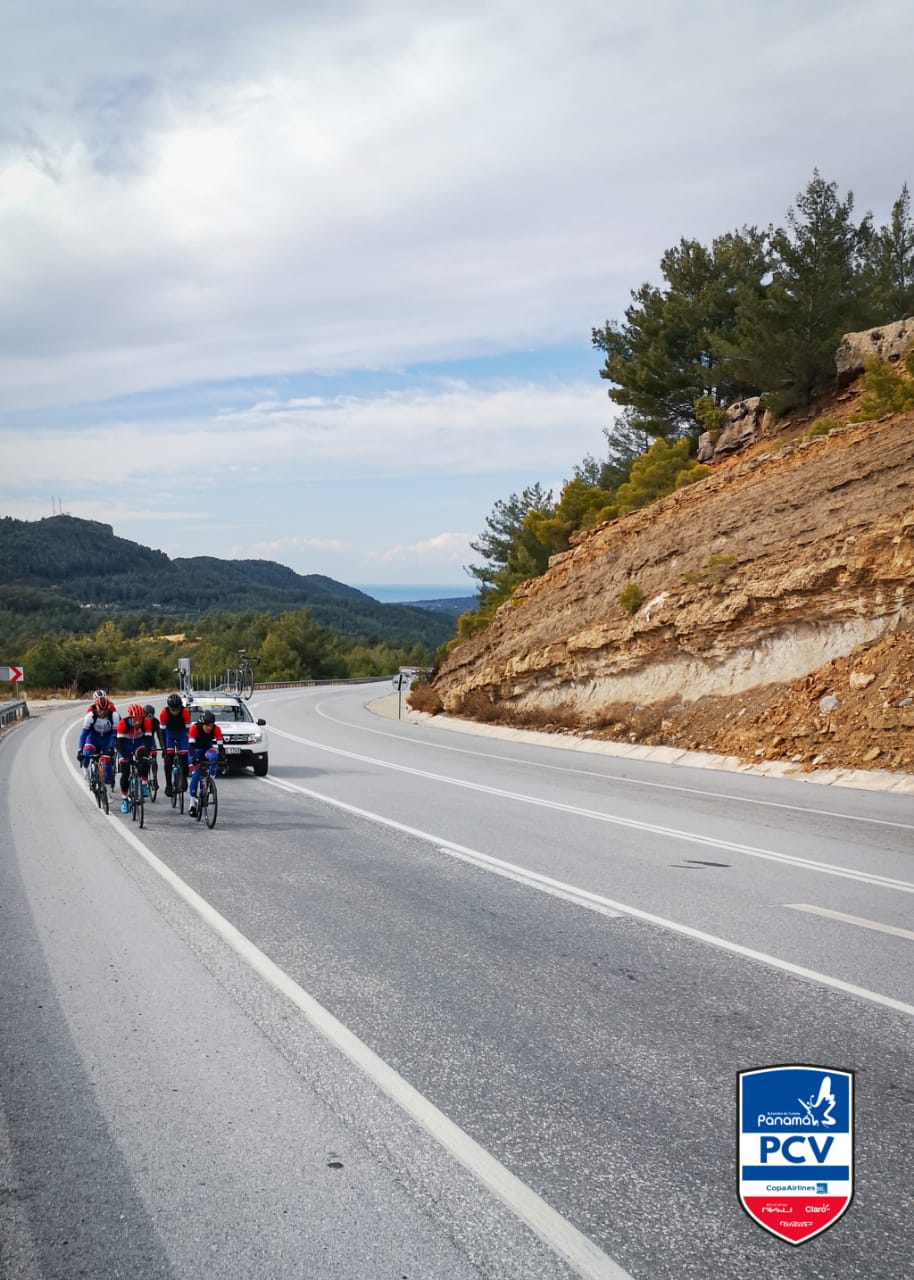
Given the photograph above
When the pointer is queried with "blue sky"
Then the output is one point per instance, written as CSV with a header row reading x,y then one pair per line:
x,y
317,284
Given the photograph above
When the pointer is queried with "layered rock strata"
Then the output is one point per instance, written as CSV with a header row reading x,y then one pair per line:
x,y
774,565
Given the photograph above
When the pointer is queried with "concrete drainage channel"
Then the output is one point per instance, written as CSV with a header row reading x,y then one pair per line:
x,y
865,779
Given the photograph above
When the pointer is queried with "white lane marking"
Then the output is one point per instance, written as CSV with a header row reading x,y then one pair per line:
x,y
556,889
846,919
673,833
585,896
521,875
564,1239
618,777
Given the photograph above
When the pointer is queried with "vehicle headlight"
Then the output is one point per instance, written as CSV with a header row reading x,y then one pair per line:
x,y
256,736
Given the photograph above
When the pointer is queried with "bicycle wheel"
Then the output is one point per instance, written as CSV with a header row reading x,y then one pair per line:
x,y
247,683
153,779
136,798
93,782
210,803
102,796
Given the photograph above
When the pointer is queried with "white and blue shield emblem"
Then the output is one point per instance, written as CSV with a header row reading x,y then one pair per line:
x,y
795,1148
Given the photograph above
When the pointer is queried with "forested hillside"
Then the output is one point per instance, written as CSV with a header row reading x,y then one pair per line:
x,y
62,574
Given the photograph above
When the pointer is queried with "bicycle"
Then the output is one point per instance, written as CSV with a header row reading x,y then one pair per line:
x,y
153,780
178,782
97,785
244,675
207,800
135,797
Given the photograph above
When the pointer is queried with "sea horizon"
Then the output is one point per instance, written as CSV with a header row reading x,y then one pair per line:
x,y
397,592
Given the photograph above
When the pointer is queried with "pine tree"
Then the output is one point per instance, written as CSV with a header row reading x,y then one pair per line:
x,y
503,531
787,333
665,355
889,265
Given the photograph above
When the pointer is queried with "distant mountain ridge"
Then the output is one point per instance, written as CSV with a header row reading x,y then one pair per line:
x,y
82,563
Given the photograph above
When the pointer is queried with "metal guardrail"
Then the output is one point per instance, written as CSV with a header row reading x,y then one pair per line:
x,y
10,711
305,684
216,685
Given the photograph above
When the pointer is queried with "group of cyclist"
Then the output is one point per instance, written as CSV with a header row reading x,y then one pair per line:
x,y
140,734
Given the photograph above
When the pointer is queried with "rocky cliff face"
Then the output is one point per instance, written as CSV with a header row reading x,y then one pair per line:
x,y
794,558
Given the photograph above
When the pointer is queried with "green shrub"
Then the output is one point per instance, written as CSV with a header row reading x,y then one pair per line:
x,y
710,415
691,474
630,598
662,469
884,390
715,569
719,566
822,427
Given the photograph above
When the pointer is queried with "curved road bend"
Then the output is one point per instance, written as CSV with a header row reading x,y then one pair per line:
x,y
536,974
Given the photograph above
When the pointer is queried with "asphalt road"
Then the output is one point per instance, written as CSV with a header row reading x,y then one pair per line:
x,y
427,1005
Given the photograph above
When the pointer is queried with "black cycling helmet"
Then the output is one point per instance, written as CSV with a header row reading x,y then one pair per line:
x,y
149,709
208,717
173,702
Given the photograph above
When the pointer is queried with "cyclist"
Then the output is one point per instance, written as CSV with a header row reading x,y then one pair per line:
x,y
174,720
134,739
204,740
157,738
98,734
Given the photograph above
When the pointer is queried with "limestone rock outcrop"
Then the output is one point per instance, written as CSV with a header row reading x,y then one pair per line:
x,y
742,426
890,342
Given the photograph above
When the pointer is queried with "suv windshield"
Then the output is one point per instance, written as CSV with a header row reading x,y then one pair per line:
x,y
223,711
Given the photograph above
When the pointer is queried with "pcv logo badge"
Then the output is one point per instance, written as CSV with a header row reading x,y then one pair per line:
x,y
795,1148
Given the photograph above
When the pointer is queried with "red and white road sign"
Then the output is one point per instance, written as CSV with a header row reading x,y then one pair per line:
x,y
10,675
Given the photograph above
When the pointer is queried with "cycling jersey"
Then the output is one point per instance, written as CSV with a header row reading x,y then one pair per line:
x,y
98,721
132,738
174,721
200,740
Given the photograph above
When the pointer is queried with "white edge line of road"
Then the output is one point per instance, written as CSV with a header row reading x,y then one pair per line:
x,y
595,901
564,1239
536,737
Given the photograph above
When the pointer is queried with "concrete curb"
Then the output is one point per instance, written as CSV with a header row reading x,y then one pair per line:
x,y
863,779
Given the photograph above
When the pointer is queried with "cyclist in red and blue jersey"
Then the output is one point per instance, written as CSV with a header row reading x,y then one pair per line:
x,y
134,738
203,742
174,721
98,734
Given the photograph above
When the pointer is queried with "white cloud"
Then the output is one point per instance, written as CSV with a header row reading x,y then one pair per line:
x,y
446,549
208,191
278,548
219,193
460,430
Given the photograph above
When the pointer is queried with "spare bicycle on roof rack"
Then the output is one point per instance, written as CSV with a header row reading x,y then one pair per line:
x,y
240,680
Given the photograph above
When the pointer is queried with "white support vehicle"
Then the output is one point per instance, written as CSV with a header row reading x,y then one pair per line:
x,y
245,739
